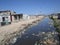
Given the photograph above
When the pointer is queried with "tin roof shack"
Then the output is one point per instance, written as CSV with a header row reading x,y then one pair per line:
x,y
5,17
16,17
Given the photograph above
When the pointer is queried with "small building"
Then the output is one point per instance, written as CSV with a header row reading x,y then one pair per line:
x,y
5,17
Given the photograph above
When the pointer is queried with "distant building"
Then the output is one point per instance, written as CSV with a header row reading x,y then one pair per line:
x,y
16,17
25,16
56,15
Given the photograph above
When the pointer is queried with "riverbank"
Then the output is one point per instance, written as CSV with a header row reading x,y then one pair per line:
x,y
57,26
10,31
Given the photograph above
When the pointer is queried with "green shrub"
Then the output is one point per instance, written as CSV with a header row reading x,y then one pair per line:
x,y
58,30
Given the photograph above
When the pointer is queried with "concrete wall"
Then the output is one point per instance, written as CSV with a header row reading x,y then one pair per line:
x,y
13,19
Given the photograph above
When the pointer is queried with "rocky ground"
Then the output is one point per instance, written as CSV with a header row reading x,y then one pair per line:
x,y
49,38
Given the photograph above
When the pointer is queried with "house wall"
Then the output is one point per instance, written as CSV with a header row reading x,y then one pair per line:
x,y
0,19
13,19
9,20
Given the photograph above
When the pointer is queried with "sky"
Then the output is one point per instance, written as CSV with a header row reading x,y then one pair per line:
x,y
31,6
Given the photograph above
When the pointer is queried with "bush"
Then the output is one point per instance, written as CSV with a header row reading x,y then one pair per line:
x,y
58,31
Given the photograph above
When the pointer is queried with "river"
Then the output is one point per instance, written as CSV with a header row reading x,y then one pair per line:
x,y
41,32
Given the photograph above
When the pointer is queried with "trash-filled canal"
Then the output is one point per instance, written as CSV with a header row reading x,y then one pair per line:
x,y
41,34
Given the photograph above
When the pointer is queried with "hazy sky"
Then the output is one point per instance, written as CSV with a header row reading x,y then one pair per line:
x,y
31,6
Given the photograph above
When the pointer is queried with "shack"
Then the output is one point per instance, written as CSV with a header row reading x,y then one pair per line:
x,y
5,17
